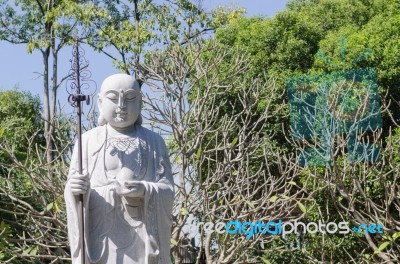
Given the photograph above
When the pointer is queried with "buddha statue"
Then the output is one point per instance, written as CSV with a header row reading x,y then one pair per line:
x,y
126,182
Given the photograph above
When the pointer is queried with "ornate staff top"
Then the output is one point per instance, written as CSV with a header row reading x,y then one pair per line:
x,y
79,81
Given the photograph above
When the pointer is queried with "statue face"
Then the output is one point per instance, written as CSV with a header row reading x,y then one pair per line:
x,y
120,100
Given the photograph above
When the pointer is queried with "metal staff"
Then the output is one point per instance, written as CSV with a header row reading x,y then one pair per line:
x,y
76,98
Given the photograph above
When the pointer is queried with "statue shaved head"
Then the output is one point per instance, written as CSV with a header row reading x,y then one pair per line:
x,y
120,101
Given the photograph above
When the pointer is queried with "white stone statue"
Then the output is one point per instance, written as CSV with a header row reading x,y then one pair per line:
x,y
126,182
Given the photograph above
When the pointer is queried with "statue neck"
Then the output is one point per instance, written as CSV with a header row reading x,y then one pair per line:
x,y
120,131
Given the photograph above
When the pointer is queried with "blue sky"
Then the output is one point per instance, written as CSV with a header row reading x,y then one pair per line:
x,y
22,70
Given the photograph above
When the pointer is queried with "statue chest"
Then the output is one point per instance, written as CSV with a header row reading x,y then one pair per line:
x,y
126,159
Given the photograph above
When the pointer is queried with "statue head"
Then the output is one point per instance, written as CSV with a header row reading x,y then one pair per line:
x,y
120,101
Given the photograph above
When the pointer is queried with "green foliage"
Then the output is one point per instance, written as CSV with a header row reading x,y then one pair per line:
x,y
20,121
38,23
139,27
328,37
19,116
28,199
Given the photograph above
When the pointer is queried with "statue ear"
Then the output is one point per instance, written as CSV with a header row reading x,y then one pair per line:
x,y
99,99
99,103
139,120
101,121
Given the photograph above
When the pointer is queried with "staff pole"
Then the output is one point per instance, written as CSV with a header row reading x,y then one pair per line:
x,y
76,100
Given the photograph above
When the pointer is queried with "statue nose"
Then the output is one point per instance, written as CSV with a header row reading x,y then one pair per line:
x,y
121,99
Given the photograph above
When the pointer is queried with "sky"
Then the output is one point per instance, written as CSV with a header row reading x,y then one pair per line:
x,y
22,70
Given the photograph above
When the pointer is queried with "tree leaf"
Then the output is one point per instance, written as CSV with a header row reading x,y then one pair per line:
x,y
49,206
26,251
173,242
382,247
234,141
250,204
302,207
56,208
273,199
285,197
265,261
198,153
34,251
184,211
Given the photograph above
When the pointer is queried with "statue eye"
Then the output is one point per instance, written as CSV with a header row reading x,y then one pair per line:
x,y
131,95
112,96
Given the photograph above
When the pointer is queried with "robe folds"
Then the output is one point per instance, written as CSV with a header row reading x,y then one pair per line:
x,y
119,229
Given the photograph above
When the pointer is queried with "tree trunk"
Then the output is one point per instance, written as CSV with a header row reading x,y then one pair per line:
x,y
48,128
53,105
46,108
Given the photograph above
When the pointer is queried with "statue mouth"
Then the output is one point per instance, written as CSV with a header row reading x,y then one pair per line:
x,y
121,116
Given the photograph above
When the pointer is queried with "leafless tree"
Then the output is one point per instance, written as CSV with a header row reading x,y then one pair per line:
x,y
363,188
226,167
33,225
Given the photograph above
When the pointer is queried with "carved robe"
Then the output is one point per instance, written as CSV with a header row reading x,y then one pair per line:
x,y
119,229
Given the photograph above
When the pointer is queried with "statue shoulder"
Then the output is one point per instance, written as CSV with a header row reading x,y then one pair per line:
x,y
153,139
153,136
94,133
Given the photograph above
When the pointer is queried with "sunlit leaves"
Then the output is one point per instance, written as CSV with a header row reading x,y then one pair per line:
x,y
223,15
37,24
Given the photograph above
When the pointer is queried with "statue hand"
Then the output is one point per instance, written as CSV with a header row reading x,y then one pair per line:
x,y
79,183
136,188
131,189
